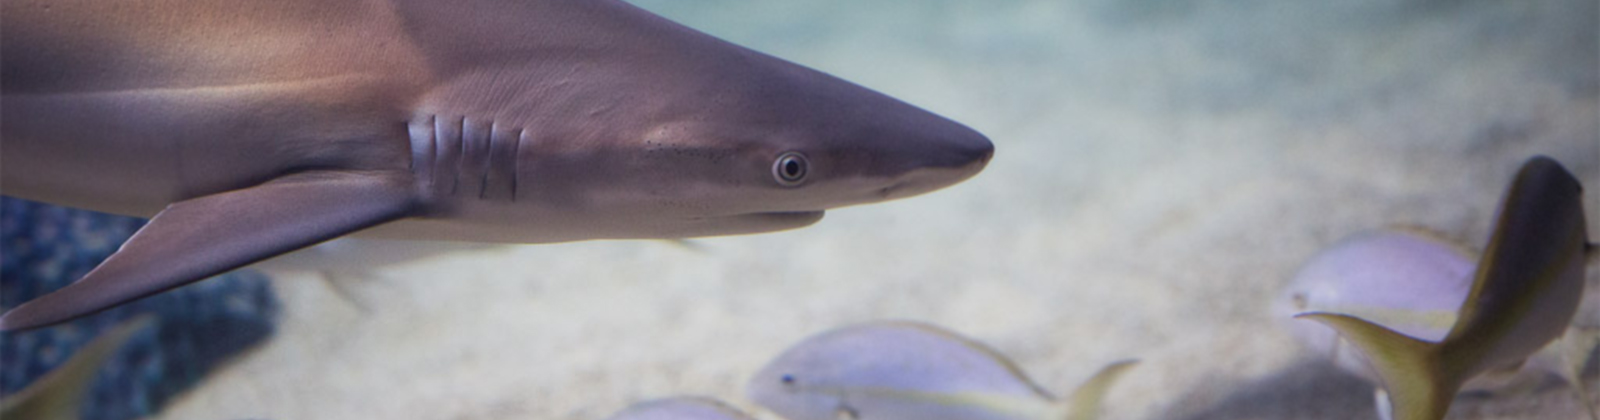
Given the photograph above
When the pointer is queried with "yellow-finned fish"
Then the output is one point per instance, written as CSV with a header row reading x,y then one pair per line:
x,y
1412,280
681,408
59,394
912,371
1525,291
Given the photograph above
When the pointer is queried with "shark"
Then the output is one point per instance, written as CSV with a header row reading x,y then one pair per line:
x,y
249,130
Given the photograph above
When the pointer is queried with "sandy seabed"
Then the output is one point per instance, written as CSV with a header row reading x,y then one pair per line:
x,y
1162,169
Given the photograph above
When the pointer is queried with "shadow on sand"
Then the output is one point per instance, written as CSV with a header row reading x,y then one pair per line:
x,y
1308,389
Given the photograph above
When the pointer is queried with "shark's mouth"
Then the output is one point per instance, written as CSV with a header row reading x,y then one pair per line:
x,y
773,219
812,215
785,220
775,216
745,223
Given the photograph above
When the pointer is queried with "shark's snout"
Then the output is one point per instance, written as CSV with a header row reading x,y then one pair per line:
x,y
944,144
946,158
968,152
973,150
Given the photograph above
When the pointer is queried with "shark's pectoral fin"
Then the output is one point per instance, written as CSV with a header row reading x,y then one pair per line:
x,y
197,238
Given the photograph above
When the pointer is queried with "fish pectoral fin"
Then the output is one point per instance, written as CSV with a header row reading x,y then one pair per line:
x,y
686,245
197,238
1419,384
1085,402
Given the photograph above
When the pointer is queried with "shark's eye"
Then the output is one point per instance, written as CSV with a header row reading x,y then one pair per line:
x,y
787,379
790,169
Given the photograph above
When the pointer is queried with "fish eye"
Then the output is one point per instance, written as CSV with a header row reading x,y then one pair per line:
x,y
787,379
790,169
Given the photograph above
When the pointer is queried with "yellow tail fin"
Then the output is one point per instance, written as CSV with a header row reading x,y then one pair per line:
x,y
1420,385
1085,402
57,395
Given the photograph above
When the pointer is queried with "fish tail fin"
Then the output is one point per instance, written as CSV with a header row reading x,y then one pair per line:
x,y
1419,381
1576,346
58,394
1085,402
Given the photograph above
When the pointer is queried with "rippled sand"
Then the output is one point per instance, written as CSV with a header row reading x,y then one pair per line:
x,y
1160,172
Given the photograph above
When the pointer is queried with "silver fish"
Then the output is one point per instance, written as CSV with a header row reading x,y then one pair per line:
x,y
912,371
1413,280
1525,290
681,408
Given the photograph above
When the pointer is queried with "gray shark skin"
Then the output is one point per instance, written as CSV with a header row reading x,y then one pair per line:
x,y
251,129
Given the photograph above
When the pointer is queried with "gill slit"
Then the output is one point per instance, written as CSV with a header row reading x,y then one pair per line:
x,y
444,155
424,148
488,162
461,155
516,162
411,130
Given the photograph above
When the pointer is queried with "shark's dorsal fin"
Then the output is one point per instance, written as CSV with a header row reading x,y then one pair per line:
x,y
197,238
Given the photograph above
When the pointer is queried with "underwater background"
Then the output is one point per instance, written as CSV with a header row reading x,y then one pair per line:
x,y
1162,170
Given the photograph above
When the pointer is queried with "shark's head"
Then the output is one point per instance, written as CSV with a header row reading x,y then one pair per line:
x,y
775,143
652,129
